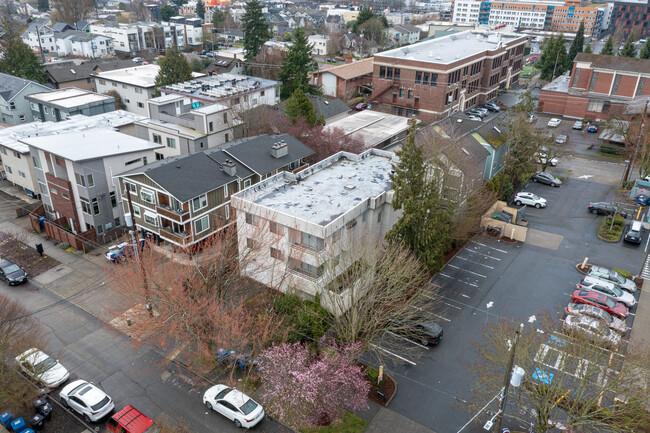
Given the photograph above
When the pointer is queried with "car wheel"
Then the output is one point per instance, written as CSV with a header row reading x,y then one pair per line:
x,y
537,205
87,418
594,211
65,403
534,179
518,202
237,423
557,185
208,405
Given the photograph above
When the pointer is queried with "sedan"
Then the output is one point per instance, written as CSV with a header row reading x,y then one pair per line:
x,y
606,288
597,313
605,208
529,199
492,107
577,125
234,405
361,106
592,329
634,233
42,368
592,128
474,118
642,199
554,123
546,178
474,112
561,139
87,400
11,273
600,301
613,276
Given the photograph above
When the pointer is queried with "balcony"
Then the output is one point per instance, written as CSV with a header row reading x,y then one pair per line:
x,y
181,239
173,215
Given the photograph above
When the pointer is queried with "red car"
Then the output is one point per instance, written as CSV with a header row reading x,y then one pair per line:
x,y
131,420
600,301
361,106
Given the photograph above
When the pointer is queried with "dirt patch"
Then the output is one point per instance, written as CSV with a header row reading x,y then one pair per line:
x,y
14,249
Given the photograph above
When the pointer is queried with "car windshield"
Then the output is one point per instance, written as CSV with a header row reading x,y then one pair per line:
x,y
617,277
248,407
9,269
45,364
610,303
101,404
222,393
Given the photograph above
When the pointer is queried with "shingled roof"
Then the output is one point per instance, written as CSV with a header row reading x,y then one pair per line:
x,y
619,64
68,71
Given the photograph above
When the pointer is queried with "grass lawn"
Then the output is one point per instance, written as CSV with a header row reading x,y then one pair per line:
x,y
527,72
350,423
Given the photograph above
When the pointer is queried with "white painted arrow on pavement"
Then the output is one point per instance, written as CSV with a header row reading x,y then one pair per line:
x,y
490,304
585,176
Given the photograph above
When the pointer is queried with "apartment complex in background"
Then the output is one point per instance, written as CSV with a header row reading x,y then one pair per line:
x,y
304,229
598,87
60,105
560,16
185,199
628,16
435,78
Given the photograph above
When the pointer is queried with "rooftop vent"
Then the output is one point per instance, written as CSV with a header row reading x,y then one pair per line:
x,y
229,168
279,149
350,187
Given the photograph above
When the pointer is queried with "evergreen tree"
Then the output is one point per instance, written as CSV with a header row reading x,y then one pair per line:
x,y
553,60
256,31
577,45
218,19
200,9
43,5
166,12
174,68
645,50
17,59
299,106
608,48
588,49
426,222
297,65
628,50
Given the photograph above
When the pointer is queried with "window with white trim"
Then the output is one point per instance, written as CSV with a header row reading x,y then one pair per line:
x,y
35,160
113,198
171,142
81,180
276,254
202,224
85,205
130,187
150,219
22,174
226,212
91,181
157,138
136,210
8,169
199,202
95,204
225,190
43,188
247,183
147,196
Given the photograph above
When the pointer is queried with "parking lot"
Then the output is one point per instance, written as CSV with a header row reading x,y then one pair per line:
x,y
489,280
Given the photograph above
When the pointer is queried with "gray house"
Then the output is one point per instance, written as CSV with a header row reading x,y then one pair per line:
x,y
14,108
61,104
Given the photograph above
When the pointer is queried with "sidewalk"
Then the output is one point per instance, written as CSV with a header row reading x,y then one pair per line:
x,y
383,420
641,326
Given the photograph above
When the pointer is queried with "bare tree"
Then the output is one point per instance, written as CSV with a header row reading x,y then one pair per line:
x,y
71,11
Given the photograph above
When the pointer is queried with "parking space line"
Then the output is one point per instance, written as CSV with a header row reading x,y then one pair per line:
x,y
464,295
452,306
407,339
492,248
484,265
483,254
394,354
465,270
464,282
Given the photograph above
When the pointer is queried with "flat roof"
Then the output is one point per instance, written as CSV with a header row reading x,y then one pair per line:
x,y
140,76
326,190
9,136
90,144
560,84
69,97
372,127
451,48
184,130
219,86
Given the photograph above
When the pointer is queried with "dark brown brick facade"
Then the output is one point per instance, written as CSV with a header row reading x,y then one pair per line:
x,y
59,190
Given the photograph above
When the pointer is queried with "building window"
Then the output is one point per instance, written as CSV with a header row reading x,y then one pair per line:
x,y
138,90
43,188
12,105
276,228
147,196
113,199
211,126
133,161
81,180
8,169
251,219
85,205
202,224
225,191
130,187
410,94
199,202
3,150
16,155
117,222
247,183
140,105
150,219
226,212
171,142
250,243
99,229
65,196
379,217
418,77
276,254
35,160
136,210
91,181
48,208
95,204
157,139
159,156
102,82
21,174
401,93
595,106
225,118
22,117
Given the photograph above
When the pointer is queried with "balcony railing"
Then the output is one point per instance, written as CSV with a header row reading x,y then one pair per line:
x,y
173,215
181,239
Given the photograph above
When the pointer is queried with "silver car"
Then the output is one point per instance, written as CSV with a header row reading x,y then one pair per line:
x,y
607,288
594,312
592,329
612,276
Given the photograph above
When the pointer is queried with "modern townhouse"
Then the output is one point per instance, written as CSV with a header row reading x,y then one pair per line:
x,y
402,34
185,199
318,44
300,231
80,75
39,36
82,44
14,107
126,38
60,105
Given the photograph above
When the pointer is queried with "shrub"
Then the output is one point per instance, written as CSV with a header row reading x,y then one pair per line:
x,y
307,320
373,374
64,245
609,150
623,272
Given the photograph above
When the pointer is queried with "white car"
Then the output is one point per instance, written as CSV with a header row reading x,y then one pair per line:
x,y
554,123
561,139
475,118
234,405
593,329
607,288
42,368
87,400
529,199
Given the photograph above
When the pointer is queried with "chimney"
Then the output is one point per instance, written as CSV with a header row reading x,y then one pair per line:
x,y
279,149
229,168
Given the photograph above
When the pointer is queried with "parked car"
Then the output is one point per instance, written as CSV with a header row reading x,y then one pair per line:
x,y
234,405
606,208
541,158
117,253
561,139
138,60
613,276
424,331
331,61
642,199
87,400
474,118
607,288
42,368
592,311
361,106
529,199
339,59
634,233
11,273
592,329
492,107
475,112
546,178
480,109
131,420
592,128
577,125
554,123
601,301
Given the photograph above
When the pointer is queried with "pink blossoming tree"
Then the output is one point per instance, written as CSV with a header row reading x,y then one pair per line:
x,y
302,389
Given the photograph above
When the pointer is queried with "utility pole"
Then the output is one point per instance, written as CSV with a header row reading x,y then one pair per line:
x,y
555,66
631,163
136,244
506,380
40,47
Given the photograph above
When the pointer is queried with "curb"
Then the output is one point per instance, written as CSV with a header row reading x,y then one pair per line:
x,y
394,391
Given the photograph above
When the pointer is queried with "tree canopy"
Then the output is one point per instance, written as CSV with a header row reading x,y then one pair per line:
x,y
608,48
174,68
71,11
577,45
256,31
43,5
166,12
553,60
200,9
588,49
299,106
365,15
628,50
218,19
645,50
19,60
297,65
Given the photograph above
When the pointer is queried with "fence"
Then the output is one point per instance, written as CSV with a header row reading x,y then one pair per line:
x,y
54,229
26,209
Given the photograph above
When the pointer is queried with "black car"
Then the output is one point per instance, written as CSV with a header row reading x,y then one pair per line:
x,y
546,178
11,273
634,233
606,208
424,331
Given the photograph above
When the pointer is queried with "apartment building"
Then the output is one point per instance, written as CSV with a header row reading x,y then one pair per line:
x,y
185,199
126,38
134,85
304,229
434,78
14,107
82,44
76,175
318,44
60,105
17,164
628,16
402,34
599,87
39,36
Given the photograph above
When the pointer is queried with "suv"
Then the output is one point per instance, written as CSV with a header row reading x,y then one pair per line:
x,y
607,288
424,331
612,276
131,420
529,199
634,232
547,178
492,107
605,208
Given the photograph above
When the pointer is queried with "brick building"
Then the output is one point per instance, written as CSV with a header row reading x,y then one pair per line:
x,y
435,78
343,81
598,87
628,16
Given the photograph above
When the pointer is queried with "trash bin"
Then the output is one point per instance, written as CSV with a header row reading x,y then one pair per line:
x,y
45,410
37,421
39,249
41,222
18,425
5,419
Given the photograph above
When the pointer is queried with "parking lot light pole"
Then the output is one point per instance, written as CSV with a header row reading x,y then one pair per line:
x,y
506,380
